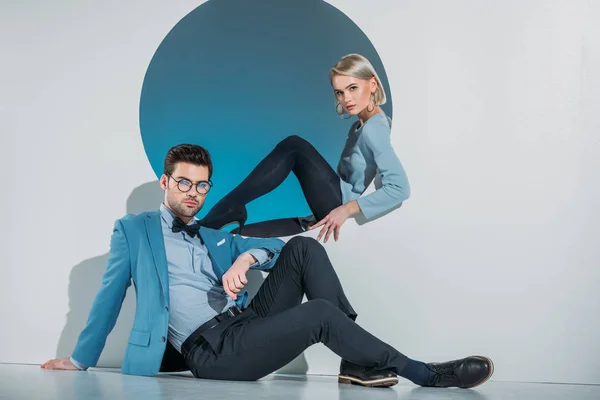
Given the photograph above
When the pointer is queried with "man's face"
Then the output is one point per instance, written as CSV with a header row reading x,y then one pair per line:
x,y
185,204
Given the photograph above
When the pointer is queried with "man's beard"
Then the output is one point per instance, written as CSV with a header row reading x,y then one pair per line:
x,y
182,209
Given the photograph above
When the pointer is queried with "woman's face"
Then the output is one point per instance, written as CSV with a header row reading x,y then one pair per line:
x,y
354,94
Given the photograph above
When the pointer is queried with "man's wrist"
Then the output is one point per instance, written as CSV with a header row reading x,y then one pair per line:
x,y
77,364
249,258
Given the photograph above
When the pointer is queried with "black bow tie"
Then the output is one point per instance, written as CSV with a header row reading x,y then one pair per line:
x,y
179,225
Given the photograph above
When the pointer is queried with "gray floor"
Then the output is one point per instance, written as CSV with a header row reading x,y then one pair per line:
x,y
31,382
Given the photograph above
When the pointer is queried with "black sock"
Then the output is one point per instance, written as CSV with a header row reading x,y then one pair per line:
x,y
417,372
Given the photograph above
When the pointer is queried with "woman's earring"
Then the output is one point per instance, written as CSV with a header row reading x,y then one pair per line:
x,y
339,110
372,101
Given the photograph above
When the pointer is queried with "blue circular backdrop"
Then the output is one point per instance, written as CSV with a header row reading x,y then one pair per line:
x,y
238,76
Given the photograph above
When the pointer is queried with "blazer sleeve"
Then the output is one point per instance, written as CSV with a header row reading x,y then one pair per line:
x,y
395,188
107,304
240,244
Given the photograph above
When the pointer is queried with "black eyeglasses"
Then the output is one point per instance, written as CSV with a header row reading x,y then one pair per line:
x,y
185,185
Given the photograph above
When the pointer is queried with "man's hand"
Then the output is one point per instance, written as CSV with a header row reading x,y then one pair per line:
x,y
234,279
60,363
333,222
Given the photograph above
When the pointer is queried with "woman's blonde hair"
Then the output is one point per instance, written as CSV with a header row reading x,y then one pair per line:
x,y
359,67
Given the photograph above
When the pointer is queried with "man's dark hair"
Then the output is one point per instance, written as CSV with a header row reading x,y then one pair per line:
x,y
189,153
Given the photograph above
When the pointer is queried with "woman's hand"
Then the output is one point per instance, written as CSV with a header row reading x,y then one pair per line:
x,y
333,222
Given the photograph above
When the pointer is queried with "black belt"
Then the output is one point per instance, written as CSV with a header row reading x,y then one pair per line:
x,y
196,339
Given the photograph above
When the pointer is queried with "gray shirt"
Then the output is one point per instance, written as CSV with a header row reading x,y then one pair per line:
x,y
195,293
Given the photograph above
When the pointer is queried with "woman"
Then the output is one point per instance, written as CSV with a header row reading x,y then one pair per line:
x,y
332,196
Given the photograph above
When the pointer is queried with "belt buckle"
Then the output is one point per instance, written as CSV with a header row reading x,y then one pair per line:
x,y
234,310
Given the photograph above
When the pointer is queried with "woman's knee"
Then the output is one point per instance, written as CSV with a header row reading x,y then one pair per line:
x,y
294,142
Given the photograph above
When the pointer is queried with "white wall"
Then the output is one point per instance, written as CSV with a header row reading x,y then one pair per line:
x,y
496,116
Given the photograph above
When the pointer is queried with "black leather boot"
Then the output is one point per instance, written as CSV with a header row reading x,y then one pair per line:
x,y
466,373
217,219
351,373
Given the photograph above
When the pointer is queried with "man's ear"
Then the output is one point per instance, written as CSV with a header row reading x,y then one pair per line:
x,y
164,180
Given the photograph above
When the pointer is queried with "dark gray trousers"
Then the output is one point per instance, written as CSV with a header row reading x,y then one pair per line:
x,y
276,327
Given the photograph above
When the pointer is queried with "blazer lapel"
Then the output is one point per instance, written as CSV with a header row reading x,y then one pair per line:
x,y
157,245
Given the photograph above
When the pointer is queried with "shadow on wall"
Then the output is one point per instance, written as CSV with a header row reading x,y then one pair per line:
x,y
85,280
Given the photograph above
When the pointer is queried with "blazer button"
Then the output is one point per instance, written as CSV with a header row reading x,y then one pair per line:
x,y
162,339
167,308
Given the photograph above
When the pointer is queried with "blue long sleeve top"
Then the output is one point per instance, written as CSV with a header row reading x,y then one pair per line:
x,y
368,152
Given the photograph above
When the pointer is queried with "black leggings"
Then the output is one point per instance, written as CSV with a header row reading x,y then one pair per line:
x,y
319,182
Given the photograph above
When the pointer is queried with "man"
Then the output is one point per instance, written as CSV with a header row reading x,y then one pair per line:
x,y
192,312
